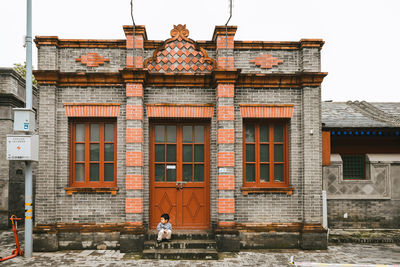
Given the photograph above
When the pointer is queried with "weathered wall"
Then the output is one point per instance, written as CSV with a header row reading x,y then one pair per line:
x,y
370,203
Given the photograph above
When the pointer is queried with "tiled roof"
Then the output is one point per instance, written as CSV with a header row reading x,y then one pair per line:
x,y
353,114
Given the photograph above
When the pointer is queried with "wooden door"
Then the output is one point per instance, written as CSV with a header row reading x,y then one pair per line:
x,y
179,174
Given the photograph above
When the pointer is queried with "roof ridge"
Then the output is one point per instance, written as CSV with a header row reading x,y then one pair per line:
x,y
373,112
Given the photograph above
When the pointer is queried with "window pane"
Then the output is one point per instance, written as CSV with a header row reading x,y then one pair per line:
x,y
94,172
108,152
79,172
80,133
250,173
187,153
187,172
278,172
199,134
278,153
187,134
199,153
278,133
171,175
171,153
109,132
79,152
264,173
160,153
108,172
353,166
160,173
264,153
198,173
250,133
264,133
250,153
160,133
94,152
94,132
171,134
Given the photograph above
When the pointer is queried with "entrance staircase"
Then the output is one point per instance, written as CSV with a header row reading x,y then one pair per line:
x,y
189,245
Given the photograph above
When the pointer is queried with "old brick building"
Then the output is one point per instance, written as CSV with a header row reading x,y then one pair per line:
x,y
362,171
223,135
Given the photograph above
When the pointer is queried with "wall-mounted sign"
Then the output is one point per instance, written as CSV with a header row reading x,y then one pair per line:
x,y
23,147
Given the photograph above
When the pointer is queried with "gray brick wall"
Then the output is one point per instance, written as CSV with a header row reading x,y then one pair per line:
x,y
271,207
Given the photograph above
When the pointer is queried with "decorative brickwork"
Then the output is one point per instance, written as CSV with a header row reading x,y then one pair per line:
x,y
226,182
134,182
225,90
91,109
180,54
92,59
138,41
137,63
223,44
266,111
225,113
226,159
134,89
134,158
177,111
226,136
134,112
225,63
266,61
134,135
134,205
226,205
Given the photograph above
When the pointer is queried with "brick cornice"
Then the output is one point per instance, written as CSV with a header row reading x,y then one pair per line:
x,y
225,76
139,30
78,43
311,43
132,75
246,80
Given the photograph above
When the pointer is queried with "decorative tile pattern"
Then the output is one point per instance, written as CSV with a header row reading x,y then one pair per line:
x,y
92,59
266,61
180,54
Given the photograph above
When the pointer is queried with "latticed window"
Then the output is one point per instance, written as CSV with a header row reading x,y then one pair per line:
x,y
265,154
93,153
353,166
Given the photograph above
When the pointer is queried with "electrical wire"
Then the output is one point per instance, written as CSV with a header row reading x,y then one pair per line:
x,y
133,36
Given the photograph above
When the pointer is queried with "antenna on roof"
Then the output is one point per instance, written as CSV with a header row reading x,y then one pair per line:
x,y
133,36
226,32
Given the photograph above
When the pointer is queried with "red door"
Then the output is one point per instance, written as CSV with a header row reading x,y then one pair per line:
x,y
179,174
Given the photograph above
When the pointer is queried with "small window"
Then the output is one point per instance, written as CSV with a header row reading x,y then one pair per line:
x,y
93,153
353,167
265,154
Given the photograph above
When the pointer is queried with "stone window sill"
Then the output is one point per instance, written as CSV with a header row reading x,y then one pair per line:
x,y
257,190
111,190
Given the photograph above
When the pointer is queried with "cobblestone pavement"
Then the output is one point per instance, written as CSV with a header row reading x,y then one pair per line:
x,y
347,253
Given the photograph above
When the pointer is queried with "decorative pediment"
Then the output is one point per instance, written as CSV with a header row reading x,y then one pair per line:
x,y
180,54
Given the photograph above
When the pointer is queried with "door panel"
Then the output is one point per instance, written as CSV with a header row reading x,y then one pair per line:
x,y
179,174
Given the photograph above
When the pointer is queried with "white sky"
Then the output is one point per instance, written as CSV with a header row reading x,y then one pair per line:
x,y
362,37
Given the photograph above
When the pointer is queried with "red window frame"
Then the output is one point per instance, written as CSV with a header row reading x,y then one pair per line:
x,y
271,142
87,183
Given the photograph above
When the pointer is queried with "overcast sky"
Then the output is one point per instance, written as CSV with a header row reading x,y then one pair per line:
x,y
362,37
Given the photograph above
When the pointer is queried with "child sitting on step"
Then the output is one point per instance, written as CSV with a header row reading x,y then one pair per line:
x,y
164,229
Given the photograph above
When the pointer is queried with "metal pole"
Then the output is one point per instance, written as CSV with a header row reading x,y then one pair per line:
x,y
28,105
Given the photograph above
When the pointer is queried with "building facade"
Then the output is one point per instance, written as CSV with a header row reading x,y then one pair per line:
x,y
362,170
223,135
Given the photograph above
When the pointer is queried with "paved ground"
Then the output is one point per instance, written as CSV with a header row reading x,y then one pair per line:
x,y
348,253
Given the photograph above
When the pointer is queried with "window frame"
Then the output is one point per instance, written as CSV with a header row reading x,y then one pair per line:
x,y
87,183
364,167
270,122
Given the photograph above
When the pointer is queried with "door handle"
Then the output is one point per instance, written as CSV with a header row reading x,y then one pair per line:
x,y
179,184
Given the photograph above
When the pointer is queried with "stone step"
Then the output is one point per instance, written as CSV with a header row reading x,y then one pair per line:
x,y
181,244
177,254
184,235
